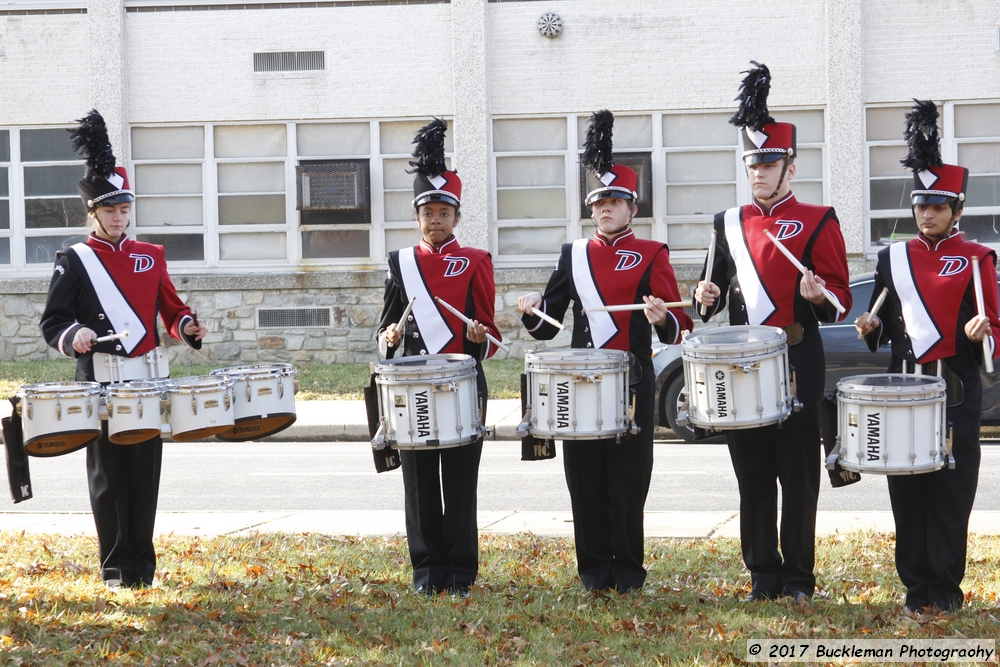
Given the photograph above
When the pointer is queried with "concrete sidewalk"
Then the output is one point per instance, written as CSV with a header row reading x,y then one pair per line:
x,y
695,525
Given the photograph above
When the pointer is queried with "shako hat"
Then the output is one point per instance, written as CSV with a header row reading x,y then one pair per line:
x,y
933,181
764,139
618,180
433,181
104,184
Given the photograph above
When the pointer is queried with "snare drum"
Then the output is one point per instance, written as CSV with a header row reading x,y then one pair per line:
x,y
429,401
577,394
263,400
737,377
135,410
199,407
59,417
892,424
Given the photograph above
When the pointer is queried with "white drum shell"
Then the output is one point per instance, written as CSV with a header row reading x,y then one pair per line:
x,y
737,377
53,409
134,406
260,391
892,424
429,401
200,403
577,394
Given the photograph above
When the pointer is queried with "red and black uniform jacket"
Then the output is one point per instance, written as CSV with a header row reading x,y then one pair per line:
x,y
931,297
110,288
620,271
463,277
763,285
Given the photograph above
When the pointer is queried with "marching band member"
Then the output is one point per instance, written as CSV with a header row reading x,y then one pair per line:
x,y
608,481
764,288
107,285
443,541
930,316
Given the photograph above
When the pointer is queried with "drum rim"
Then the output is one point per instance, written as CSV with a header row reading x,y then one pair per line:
x,y
80,389
176,386
136,388
255,370
933,385
692,341
393,366
578,352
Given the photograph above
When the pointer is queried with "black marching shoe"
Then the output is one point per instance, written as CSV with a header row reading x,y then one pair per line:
x,y
459,591
758,596
426,590
801,597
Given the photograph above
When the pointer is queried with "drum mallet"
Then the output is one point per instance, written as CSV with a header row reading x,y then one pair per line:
x,y
981,310
878,304
703,309
111,337
798,265
548,318
457,313
636,306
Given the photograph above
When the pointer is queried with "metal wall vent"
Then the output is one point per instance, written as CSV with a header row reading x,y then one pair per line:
x,y
289,61
292,318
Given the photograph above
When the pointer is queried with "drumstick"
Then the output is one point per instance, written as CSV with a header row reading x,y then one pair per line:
x,y
708,266
981,310
878,304
798,265
406,312
111,337
465,319
635,306
548,318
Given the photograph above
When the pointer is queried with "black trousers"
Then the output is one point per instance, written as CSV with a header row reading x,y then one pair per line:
x,y
608,483
932,510
442,530
789,454
124,483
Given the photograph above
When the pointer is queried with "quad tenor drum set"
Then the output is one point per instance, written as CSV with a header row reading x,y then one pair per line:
x,y
234,404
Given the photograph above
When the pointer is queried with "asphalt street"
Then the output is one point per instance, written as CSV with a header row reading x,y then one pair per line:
x,y
217,476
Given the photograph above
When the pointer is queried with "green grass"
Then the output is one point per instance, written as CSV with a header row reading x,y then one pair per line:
x,y
317,600
316,381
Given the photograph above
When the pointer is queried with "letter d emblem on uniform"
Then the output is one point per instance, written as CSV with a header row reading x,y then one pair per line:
x,y
142,262
787,229
627,259
456,266
953,265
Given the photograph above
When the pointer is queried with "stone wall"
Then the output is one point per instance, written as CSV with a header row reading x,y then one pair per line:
x,y
228,304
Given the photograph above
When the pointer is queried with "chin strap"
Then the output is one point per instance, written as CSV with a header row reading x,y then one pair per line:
x,y
784,170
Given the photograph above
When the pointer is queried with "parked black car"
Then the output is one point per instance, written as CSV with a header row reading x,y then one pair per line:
x,y
845,356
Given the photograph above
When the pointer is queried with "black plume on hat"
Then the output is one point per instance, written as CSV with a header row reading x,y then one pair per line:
x,y
430,149
753,98
90,140
597,146
922,137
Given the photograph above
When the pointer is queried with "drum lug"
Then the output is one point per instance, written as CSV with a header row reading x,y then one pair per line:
x,y
249,392
378,442
796,405
29,410
140,408
90,408
194,403
58,410
111,410
451,386
588,378
683,418
748,367
281,389
225,400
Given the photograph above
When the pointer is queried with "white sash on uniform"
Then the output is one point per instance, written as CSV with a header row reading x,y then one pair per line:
x,y
433,327
113,302
602,325
758,303
919,325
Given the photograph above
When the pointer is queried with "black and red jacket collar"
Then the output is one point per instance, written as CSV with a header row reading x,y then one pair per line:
x,y
786,202
96,242
624,237
949,240
450,244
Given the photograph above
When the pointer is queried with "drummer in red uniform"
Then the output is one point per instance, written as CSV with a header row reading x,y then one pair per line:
x,y
443,540
608,481
764,288
930,317
108,285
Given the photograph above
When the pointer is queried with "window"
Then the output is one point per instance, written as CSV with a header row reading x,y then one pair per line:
x,y
333,194
5,230
168,181
531,195
970,137
54,215
395,152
